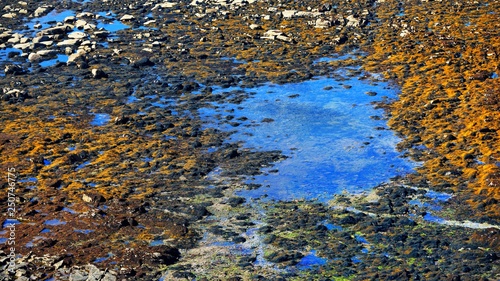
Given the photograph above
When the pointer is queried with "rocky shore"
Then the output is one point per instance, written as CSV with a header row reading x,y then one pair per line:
x,y
116,171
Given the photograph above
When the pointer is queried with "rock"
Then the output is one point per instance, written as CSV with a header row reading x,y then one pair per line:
x,y
9,15
14,69
323,23
77,35
39,39
70,19
371,93
271,34
40,11
101,34
79,55
85,15
34,57
98,74
288,14
352,21
46,52
127,18
284,38
69,42
63,29
37,26
142,62
255,27
80,24
164,5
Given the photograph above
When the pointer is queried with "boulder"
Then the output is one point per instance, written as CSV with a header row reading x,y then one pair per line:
x,y
69,42
127,18
77,35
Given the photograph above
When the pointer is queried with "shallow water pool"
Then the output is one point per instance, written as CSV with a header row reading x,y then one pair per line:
x,y
334,137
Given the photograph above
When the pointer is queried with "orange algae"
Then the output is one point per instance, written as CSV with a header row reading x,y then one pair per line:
x,y
444,55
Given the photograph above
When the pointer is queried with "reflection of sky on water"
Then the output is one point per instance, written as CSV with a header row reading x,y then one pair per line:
x,y
331,141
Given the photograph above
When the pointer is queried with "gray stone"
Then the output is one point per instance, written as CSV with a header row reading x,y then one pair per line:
x,y
70,19
78,276
69,42
96,74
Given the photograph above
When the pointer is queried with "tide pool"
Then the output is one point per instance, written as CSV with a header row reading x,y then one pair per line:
x,y
334,137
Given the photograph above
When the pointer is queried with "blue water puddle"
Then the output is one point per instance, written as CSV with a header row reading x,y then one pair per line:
x,y
4,54
431,218
334,58
438,196
361,239
45,230
365,251
167,137
81,166
102,259
328,135
71,211
54,222
331,226
3,240
110,25
46,162
156,243
51,62
47,21
132,99
494,75
9,222
100,119
31,179
71,148
425,205
356,259
311,260
84,231
233,60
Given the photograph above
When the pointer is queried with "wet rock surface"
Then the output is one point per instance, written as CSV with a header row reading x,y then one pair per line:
x,y
100,120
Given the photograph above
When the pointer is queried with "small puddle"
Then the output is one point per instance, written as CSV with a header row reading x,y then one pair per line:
x,y
52,62
100,119
54,222
311,260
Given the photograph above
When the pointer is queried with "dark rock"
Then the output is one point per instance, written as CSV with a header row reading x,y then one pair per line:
x,y
164,254
143,62
14,69
235,201
348,220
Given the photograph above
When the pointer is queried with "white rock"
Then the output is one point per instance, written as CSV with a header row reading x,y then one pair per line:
x,y
127,18
37,26
149,22
34,57
85,15
323,23
73,57
77,35
46,52
22,3
9,15
40,11
22,46
255,27
23,11
70,19
288,14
